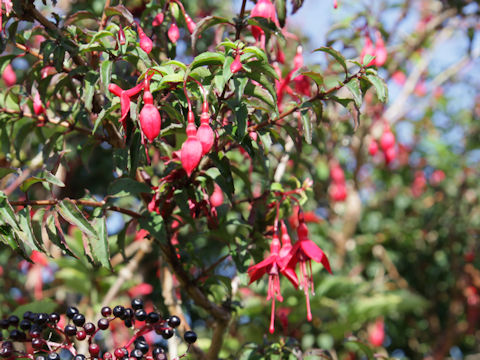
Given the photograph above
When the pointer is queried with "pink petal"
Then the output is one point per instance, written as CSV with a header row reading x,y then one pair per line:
x,y
125,105
315,253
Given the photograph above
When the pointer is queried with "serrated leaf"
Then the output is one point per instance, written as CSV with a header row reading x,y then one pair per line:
x,y
52,179
354,87
153,223
90,80
127,187
337,56
71,213
119,10
307,123
380,86
317,77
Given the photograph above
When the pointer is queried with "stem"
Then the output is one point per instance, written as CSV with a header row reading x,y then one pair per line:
x,y
103,21
239,24
76,202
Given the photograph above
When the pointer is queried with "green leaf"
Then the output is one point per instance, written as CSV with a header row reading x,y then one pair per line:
x,y
260,93
99,244
281,6
106,74
207,58
71,213
58,58
153,223
354,87
90,80
317,77
357,344
5,171
7,215
259,53
52,179
204,24
28,235
307,124
339,57
41,306
55,235
127,187
119,10
380,86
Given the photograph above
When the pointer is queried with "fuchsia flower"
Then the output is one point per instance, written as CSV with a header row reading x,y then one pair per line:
x,y
271,266
173,33
236,65
303,252
9,77
205,133
146,43
265,9
158,19
191,152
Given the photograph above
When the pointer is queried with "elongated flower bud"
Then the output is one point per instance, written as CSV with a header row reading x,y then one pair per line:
x,y
236,65
150,120
38,108
205,133
298,59
190,23
387,140
368,49
146,43
373,148
265,9
380,50
9,77
121,36
216,199
158,19
173,33
191,152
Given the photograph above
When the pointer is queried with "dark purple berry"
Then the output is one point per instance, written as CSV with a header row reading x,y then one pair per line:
x,y
7,344
6,352
106,311
28,315
120,353
41,357
190,337
13,320
160,357
153,317
42,318
25,324
54,317
128,323
35,332
119,311
174,321
4,324
79,357
157,351
103,324
17,335
78,319
140,315
71,311
167,333
142,346
37,343
70,330
137,353
137,304
89,328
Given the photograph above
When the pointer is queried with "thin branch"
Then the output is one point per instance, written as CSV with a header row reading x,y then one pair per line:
x,y
103,21
239,25
76,202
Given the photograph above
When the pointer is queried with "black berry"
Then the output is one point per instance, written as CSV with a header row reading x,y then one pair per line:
x,y
4,324
28,315
89,328
13,320
174,321
25,324
128,323
140,315
78,319
157,351
54,317
167,333
79,357
190,337
106,311
6,352
42,318
137,353
71,311
53,356
103,324
70,330
119,311
17,335
153,317
142,346
137,304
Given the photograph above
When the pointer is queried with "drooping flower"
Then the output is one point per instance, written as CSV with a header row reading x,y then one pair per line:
x,y
216,199
205,133
191,152
236,65
380,50
9,77
38,108
303,252
173,33
376,333
368,49
373,147
146,43
271,266
190,23
150,120
158,20
265,9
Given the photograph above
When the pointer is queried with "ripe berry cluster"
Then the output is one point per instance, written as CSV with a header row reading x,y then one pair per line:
x,y
43,338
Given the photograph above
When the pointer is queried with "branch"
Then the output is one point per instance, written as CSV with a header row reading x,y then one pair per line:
x,y
76,202
239,24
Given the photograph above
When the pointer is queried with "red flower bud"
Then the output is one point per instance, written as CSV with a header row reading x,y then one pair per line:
x,y
146,43
337,175
265,9
191,152
173,33
38,108
380,50
236,65
121,36
158,19
9,77
373,148
390,154
150,120
335,4
338,192
216,199
190,23
205,133
387,140
376,334
368,49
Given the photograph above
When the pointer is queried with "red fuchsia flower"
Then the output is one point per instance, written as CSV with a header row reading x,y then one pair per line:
x,y
373,147
173,33
302,85
338,192
205,133
190,23
150,120
420,89
399,77
337,174
271,266
191,152
284,254
380,50
9,77
280,55
376,333
38,108
265,9
390,155
419,184
387,139
158,20
335,4
216,199
303,252
368,49
146,43
236,65
140,290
